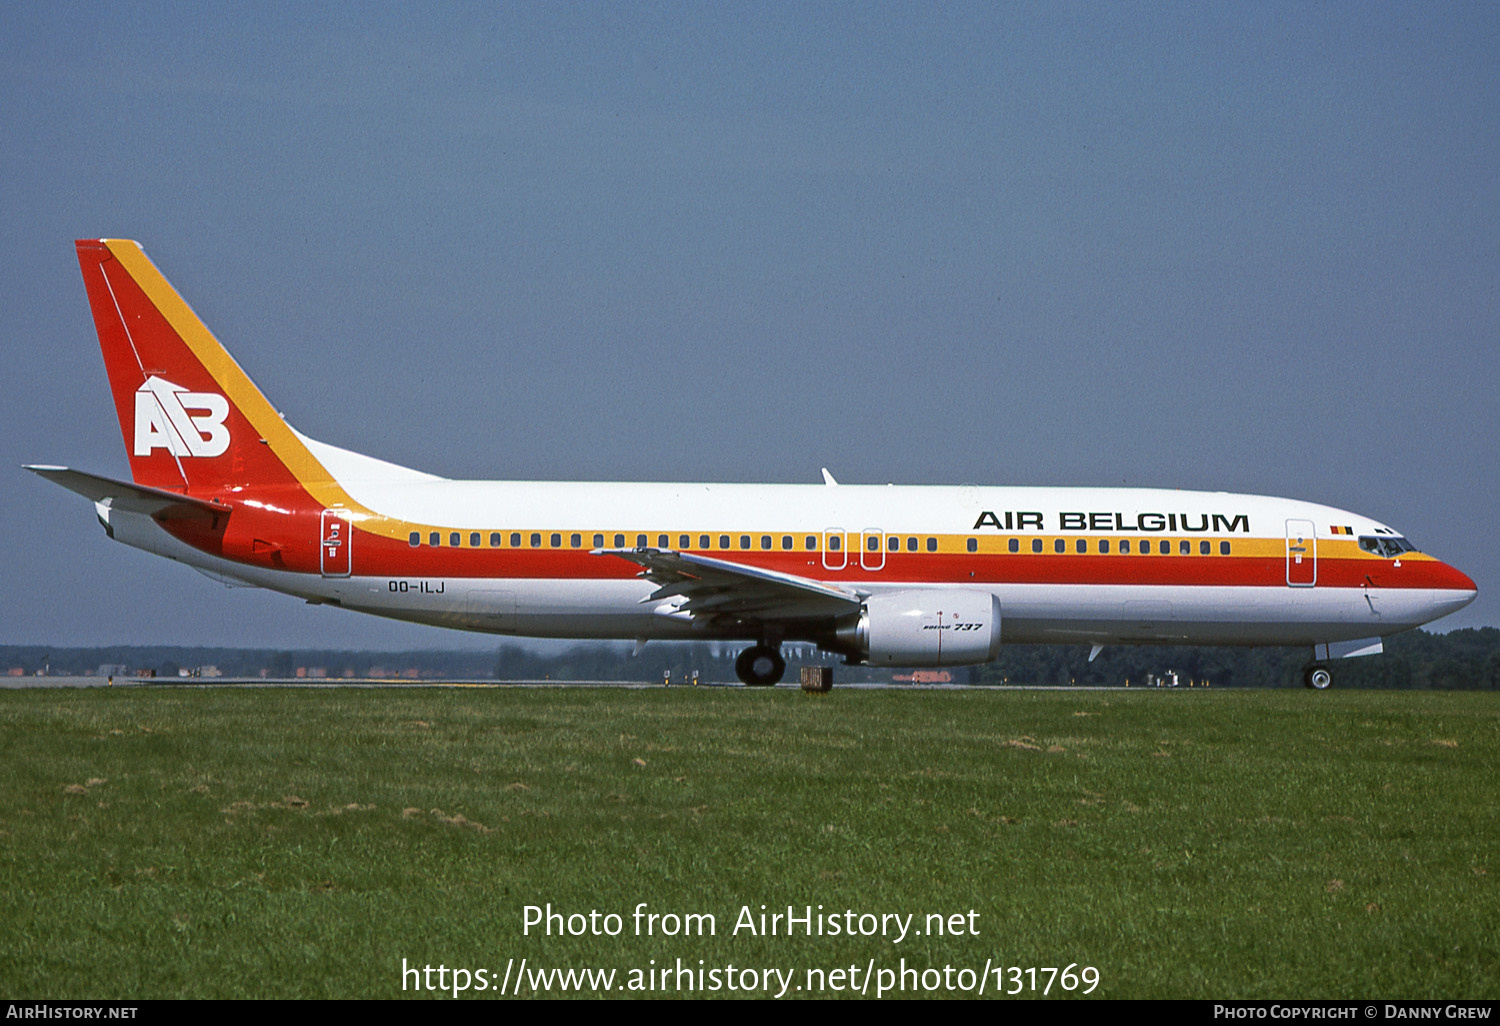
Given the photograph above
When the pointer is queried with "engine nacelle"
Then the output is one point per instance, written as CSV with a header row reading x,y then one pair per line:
x,y
938,627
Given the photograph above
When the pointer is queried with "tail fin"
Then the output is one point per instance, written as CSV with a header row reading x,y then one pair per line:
x,y
191,418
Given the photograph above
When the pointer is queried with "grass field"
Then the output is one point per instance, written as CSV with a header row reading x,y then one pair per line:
x,y
164,842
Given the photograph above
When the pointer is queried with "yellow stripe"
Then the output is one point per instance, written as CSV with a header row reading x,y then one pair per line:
x,y
947,544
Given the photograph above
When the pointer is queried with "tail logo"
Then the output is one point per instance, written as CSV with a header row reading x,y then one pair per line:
x,y
184,423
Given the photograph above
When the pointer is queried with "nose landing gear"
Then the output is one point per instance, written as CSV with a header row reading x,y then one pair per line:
x,y
1317,677
760,666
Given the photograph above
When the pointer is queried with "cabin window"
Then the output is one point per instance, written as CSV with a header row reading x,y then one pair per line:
x,y
893,543
1146,547
536,540
455,539
664,541
872,544
1165,548
931,544
556,540
641,541
1015,545
575,540
1223,548
973,544
684,541
1203,548
1124,546
1060,546
834,541
495,539
744,541
1104,546
765,541
810,543
786,541
911,545
1184,548
598,541
415,539
1081,545
474,539
1036,545
434,539
515,539
723,541
705,542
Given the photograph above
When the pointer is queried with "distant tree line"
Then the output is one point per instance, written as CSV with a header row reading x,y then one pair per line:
x,y
169,660
1464,659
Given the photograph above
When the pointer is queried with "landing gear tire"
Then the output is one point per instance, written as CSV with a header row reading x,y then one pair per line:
x,y
1318,678
760,666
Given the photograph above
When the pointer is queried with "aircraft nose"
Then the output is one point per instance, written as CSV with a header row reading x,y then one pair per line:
x,y
1462,581
1460,587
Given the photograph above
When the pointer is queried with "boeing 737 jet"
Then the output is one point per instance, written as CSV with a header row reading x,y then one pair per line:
x,y
886,576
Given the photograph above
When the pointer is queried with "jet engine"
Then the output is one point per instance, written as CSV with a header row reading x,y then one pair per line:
x,y
937,627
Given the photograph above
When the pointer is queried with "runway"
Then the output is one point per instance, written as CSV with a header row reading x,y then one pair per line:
x,y
27,683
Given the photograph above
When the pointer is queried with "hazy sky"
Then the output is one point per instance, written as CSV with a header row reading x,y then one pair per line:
x,y
1251,247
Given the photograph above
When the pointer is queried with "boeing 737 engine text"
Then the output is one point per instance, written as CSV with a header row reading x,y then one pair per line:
x,y
888,576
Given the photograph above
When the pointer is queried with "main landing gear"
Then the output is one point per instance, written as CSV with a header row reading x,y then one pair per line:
x,y
1317,677
760,666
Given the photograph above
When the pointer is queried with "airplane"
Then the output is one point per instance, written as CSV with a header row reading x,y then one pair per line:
x,y
909,576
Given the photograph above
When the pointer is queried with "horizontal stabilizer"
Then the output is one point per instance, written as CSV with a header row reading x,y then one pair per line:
x,y
132,498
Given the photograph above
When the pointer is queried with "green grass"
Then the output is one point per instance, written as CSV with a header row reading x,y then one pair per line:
x,y
299,843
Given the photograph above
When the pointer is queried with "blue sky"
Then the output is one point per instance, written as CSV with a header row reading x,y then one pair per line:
x,y
1243,247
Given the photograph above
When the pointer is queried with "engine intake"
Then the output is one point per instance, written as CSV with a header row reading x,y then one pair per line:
x,y
938,627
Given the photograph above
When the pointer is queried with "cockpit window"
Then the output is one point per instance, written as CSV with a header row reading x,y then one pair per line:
x,y
1388,546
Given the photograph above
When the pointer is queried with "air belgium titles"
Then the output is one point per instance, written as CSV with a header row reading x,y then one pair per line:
x,y
1216,523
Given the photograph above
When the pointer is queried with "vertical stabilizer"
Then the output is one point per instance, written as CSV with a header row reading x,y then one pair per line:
x,y
192,420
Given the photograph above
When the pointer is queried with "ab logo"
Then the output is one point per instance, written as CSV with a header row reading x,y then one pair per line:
x,y
163,420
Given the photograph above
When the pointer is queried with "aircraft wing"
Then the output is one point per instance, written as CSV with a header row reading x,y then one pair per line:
x,y
720,588
132,498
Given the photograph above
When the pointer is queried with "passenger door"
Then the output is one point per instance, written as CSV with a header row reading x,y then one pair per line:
x,y
336,531
1301,554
